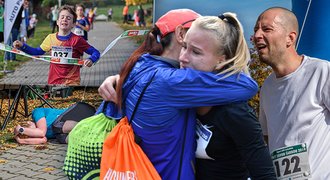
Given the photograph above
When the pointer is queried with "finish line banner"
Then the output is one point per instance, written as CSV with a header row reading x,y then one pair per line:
x,y
57,60
125,34
73,61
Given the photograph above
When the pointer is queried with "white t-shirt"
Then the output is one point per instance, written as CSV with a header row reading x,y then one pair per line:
x,y
55,14
296,109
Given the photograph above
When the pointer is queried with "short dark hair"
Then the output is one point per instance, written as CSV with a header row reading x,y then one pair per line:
x,y
71,11
80,5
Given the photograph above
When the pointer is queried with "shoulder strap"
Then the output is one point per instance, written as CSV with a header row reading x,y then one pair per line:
x,y
183,144
140,97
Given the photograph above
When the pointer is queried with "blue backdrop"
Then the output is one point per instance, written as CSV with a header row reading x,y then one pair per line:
x,y
315,35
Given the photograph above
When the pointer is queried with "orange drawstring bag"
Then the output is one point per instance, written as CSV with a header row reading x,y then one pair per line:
x,y
121,157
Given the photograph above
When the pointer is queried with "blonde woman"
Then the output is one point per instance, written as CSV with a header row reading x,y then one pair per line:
x,y
230,144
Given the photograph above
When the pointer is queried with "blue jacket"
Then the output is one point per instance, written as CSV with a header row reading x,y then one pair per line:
x,y
167,108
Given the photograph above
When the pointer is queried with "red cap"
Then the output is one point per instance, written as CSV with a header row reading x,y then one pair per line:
x,y
169,21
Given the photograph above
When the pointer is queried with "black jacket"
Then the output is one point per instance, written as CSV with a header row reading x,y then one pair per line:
x,y
237,145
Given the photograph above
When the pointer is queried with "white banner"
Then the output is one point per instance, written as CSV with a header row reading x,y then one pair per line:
x,y
125,34
12,8
57,60
70,60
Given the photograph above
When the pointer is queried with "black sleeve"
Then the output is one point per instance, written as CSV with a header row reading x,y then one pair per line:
x,y
18,20
242,125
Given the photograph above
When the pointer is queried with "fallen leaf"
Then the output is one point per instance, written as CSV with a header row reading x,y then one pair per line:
x,y
10,145
2,161
40,147
48,169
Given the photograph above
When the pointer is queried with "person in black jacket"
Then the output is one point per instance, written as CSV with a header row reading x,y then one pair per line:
x,y
234,148
230,142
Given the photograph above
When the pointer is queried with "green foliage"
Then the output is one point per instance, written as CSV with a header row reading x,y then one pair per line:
x,y
113,2
48,3
42,30
88,3
137,2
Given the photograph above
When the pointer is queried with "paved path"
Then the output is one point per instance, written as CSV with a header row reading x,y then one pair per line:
x,y
25,162
36,72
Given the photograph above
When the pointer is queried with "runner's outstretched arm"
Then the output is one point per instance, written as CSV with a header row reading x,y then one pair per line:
x,y
95,54
28,49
